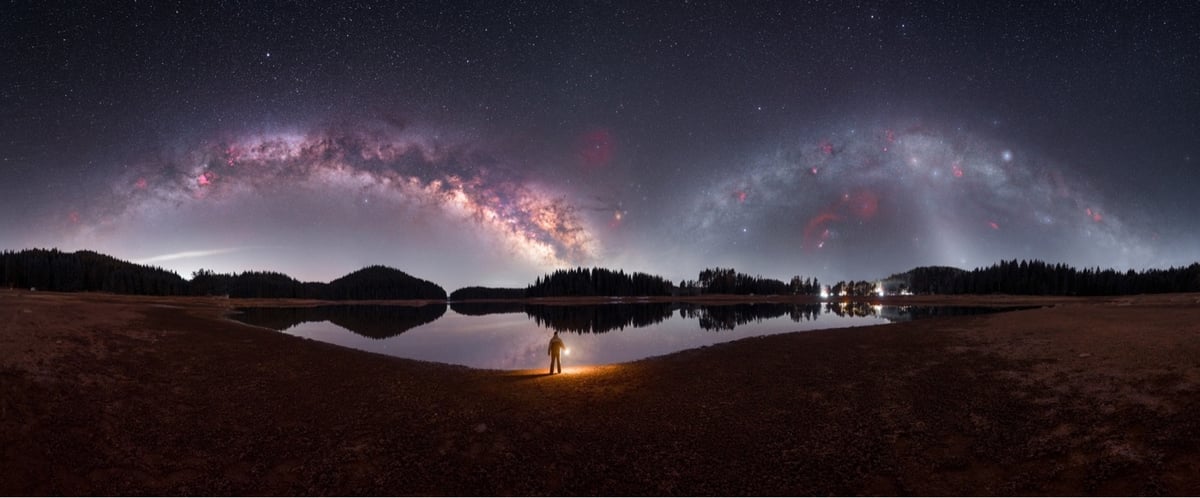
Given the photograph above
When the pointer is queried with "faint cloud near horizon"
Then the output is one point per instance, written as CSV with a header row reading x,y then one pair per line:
x,y
191,254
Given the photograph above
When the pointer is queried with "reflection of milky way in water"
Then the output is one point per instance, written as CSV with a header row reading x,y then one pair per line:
x,y
404,165
913,189
515,335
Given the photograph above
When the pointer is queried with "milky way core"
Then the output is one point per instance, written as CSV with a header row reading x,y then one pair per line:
x,y
488,144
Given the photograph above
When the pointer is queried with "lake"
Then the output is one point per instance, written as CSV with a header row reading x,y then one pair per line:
x,y
514,336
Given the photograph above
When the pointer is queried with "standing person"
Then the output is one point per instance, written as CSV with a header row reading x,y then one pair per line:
x,y
556,347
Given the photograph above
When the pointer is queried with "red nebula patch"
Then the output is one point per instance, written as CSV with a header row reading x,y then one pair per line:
x,y
203,179
826,148
863,204
740,195
958,172
816,232
596,148
994,225
890,136
73,216
231,155
140,184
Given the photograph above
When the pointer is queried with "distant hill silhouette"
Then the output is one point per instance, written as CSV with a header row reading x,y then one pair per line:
x,y
487,293
1039,278
54,270
370,283
381,282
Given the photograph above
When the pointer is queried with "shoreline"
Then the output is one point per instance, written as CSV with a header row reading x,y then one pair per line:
x,y
121,395
713,299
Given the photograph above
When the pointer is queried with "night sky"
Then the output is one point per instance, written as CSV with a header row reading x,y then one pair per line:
x,y
490,143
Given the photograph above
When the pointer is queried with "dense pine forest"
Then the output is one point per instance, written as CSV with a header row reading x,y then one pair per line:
x,y
730,281
598,282
55,270
1040,278
605,282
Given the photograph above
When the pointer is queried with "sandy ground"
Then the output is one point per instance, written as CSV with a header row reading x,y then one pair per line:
x,y
119,395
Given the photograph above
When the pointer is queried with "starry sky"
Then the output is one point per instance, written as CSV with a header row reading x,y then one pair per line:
x,y
488,143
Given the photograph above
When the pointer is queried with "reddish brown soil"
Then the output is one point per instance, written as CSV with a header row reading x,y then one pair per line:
x,y
116,395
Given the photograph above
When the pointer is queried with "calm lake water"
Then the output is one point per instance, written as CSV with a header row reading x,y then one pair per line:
x,y
512,336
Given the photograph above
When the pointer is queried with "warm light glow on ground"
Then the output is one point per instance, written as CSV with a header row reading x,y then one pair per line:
x,y
567,370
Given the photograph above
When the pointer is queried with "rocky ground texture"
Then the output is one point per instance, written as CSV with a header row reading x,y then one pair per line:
x,y
121,395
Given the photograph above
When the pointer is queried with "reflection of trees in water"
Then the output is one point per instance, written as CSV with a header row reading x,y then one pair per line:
x,y
597,318
728,317
382,321
374,321
852,308
486,308
907,313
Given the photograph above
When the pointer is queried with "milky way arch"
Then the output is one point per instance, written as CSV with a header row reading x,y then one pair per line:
x,y
409,166
911,190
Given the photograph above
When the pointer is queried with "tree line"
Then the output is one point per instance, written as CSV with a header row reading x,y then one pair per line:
x,y
1041,278
598,282
856,288
730,281
604,282
54,270
372,282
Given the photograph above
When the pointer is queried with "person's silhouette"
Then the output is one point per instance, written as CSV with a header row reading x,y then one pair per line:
x,y
556,347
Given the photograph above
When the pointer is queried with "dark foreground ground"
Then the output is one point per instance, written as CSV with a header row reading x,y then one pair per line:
x,y
118,395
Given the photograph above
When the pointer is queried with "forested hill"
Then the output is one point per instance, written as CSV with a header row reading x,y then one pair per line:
x,y
55,270
1040,278
381,282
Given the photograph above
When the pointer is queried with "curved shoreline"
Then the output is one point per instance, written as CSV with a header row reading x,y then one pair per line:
x,y
119,395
